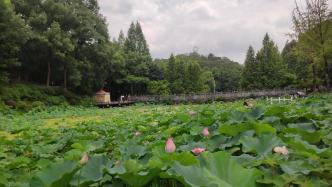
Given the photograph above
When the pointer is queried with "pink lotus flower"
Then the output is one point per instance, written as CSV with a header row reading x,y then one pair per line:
x,y
137,133
170,146
84,159
197,151
206,132
281,150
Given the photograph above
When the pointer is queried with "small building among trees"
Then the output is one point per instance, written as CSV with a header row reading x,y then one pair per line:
x,y
102,98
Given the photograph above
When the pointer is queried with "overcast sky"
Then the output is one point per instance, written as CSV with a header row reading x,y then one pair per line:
x,y
222,27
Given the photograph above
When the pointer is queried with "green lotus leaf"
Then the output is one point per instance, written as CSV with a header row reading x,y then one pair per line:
x,y
206,121
91,172
303,126
196,129
216,142
256,113
131,148
56,175
303,147
137,175
88,146
276,111
297,166
184,158
272,179
236,117
247,160
311,137
181,117
261,145
234,130
264,128
4,179
215,169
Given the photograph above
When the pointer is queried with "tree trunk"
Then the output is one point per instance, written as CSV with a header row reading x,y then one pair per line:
x,y
131,89
65,78
19,76
314,77
327,78
48,74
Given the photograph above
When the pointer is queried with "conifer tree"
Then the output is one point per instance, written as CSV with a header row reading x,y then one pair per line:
x,y
249,74
121,39
270,65
130,43
142,46
170,69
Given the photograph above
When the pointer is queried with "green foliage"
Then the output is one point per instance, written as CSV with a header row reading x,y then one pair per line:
x,y
185,75
312,29
55,175
27,96
297,65
23,106
159,87
67,48
226,74
262,145
266,69
249,74
43,147
216,169
13,34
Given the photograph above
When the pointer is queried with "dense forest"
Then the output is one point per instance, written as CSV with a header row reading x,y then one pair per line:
x,y
66,43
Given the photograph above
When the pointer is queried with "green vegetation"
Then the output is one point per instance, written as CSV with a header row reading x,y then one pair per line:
x,y
126,146
46,42
54,52
266,69
25,97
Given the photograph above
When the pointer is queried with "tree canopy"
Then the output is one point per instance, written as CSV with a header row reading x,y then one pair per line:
x,y
66,43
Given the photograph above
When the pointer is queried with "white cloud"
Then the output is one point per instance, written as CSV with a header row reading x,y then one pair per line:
x,y
223,27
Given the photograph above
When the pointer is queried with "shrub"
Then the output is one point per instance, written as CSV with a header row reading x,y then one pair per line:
x,y
86,101
159,87
23,106
37,104
55,100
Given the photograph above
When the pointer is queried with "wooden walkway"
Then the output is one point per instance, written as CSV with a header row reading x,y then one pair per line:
x,y
220,96
115,104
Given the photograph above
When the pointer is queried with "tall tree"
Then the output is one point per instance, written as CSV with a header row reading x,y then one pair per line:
x,y
138,59
194,82
13,34
142,46
171,69
312,28
121,39
130,43
296,64
249,73
60,47
272,72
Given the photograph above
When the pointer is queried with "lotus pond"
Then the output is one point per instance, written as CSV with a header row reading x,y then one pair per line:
x,y
219,145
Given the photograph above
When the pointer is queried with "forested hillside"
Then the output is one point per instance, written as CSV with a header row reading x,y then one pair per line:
x,y
67,44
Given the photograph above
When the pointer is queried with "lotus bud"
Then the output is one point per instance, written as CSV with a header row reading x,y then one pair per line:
x,y
281,150
197,151
206,132
84,159
117,162
170,146
137,133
